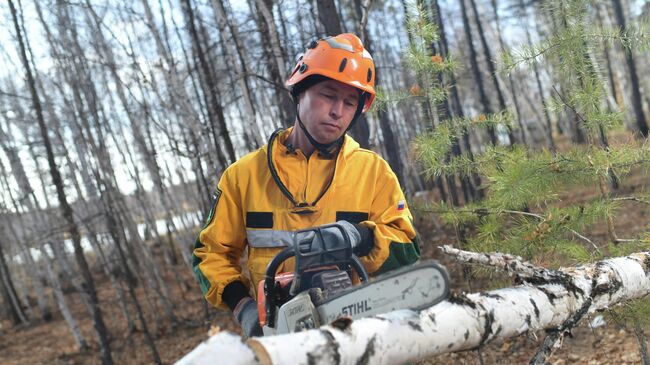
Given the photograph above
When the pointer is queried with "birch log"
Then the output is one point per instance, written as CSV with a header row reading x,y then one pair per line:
x,y
460,323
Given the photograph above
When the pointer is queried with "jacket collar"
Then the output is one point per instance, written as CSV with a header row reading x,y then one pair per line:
x,y
348,147
279,149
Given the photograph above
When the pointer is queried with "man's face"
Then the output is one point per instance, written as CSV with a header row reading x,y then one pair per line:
x,y
327,108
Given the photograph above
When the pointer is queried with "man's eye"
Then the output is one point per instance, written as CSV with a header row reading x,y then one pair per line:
x,y
329,96
350,103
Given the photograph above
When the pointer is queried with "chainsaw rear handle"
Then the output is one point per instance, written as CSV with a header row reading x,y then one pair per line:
x,y
339,254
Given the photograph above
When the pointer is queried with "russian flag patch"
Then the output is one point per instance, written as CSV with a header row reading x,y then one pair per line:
x,y
401,205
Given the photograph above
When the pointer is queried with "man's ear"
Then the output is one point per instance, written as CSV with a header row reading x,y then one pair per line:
x,y
300,96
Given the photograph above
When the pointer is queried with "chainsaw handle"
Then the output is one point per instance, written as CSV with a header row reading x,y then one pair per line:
x,y
269,283
272,268
358,267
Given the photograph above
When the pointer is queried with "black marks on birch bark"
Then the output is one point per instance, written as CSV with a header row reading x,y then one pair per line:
x,y
328,353
492,295
535,308
368,352
461,299
487,328
549,294
415,326
498,331
611,286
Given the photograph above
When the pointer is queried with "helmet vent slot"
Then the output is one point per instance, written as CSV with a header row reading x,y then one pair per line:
x,y
369,75
343,63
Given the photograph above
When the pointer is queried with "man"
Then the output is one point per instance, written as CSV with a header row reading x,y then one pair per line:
x,y
306,176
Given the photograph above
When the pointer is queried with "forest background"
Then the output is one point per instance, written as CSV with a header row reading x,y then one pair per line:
x,y
117,119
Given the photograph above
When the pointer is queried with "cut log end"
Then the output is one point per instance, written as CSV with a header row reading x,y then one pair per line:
x,y
260,352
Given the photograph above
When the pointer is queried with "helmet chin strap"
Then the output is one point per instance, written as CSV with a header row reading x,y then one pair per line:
x,y
327,148
324,148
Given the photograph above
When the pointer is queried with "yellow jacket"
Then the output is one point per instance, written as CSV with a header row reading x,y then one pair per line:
x,y
249,209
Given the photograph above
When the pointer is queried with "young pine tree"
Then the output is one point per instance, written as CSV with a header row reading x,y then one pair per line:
x,y
532,206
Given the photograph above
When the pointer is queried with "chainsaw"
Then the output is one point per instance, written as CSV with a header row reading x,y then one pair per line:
x,y
330,282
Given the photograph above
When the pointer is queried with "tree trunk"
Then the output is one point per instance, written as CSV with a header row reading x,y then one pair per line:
x,y
12,301
60,299
635,86
329,18
476,71
214,108
66,210
487,54
29,202
391,143
275,55
463,322
234,47
147,154
455,107
511,83
550,143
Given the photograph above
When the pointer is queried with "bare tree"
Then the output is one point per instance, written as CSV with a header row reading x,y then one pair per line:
x,y
236,56
215,110
66,210
60,299
11,299
275,54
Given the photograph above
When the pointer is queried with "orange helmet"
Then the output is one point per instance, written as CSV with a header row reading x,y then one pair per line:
x,y
341,58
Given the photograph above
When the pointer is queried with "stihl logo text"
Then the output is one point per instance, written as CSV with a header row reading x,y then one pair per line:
x,y
296,310
356,308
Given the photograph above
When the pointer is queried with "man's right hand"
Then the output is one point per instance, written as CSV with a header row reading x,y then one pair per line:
x,y
246,315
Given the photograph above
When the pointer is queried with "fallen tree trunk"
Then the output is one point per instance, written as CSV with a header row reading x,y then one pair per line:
x,y
548,299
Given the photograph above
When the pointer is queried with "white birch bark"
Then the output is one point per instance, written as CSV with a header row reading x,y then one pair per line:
x,y
460,323
60,300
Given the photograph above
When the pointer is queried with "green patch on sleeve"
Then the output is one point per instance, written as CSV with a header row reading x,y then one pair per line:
x,y
401,254
215,200
203,280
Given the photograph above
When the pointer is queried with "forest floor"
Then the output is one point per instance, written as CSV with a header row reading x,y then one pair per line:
x,y
52,343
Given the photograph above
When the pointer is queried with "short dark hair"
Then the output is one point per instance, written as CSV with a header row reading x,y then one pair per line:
x,y
305,84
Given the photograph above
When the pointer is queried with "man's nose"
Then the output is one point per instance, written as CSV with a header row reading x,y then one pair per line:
x,y
336,111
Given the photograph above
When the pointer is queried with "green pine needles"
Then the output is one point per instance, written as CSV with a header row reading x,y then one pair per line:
x,y
530,207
